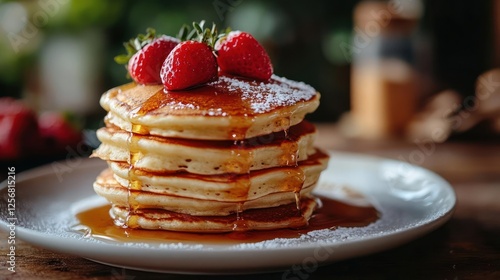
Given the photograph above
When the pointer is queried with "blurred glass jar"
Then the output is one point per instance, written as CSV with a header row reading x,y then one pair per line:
x,y
383,79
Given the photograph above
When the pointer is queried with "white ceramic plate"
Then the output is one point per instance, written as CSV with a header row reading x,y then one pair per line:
x,y
412,201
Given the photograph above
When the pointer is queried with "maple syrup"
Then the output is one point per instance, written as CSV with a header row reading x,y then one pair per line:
x,y
155,102
135,185
228,97
133,181
275,139
330,215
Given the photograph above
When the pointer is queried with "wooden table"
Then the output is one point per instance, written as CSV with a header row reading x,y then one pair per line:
x,y
467,247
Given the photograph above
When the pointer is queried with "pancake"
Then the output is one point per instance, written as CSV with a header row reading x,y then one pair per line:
x,y
229,108
160,154
284,216
233,154
226,187
107,187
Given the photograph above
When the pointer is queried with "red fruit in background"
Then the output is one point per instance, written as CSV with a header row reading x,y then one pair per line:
x,y
57,132
189,64
18,129
145,65
240,54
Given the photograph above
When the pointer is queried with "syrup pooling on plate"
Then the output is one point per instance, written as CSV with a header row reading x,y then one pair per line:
x,y
330,215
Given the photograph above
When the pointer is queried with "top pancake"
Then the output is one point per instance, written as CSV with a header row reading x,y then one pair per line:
x,y
229,108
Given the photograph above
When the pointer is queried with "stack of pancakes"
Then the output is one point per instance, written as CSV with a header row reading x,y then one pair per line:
x,y
233,154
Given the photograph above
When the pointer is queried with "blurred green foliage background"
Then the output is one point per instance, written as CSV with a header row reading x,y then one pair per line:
x,y
302,38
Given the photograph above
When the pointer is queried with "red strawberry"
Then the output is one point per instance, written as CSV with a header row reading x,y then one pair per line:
x,y
144,66
57,132
19,129
189,64
240,54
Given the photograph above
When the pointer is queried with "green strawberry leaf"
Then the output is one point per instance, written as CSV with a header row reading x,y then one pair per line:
x,y
201,34
135,44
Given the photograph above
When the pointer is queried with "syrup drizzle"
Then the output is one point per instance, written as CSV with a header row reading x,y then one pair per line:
x,y
240,162
134,184
154,102
135,155
290,157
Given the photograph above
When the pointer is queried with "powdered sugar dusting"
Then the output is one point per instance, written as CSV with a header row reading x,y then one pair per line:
x,y
181,106
264,96
317,237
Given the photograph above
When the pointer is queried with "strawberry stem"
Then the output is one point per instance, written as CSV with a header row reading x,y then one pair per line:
x,y
201,34
135,44
198,32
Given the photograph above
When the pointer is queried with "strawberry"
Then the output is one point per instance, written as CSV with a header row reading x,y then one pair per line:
x,y
240,54
189,64
57,132
144,66
19,129
145,56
